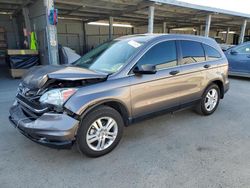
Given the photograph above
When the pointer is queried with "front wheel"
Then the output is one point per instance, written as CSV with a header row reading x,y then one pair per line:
x,y
100,131
210,100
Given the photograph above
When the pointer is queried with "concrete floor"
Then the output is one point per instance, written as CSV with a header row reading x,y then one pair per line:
x,y
180,150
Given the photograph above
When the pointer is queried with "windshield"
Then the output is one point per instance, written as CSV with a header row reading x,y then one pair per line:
x,y
109,57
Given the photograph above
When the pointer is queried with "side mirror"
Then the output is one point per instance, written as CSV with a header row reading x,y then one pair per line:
x,y
145,69
233,52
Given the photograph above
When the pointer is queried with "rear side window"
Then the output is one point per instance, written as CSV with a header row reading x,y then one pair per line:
x,y
162,55
212,54
192,52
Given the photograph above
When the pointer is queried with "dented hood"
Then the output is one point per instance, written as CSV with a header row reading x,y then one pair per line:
x,y
39,75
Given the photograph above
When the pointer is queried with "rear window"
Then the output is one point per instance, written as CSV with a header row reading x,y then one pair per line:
x,y
192,52
212,54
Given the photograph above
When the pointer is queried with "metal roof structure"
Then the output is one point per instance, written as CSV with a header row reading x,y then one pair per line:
x,y
175,13
200,7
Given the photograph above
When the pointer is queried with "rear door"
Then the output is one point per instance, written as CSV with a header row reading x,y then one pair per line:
x,y
193,62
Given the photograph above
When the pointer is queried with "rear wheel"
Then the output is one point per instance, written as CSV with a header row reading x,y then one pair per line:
x,y
100,131
210,100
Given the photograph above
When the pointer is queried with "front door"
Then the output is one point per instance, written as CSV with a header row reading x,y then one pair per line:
x,y
239,61
155,92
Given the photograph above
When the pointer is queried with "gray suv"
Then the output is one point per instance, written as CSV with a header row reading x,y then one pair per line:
x,y
116,84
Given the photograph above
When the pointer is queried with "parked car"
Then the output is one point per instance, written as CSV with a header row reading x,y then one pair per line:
x,y
116,84
247,38
239,60
223,45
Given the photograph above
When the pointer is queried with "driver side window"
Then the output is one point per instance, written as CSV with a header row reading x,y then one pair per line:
x,y
245,49
162,55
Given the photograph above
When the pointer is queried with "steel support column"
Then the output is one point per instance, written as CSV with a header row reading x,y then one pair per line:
x,y
151,10
200,29
208,23
132,30
227,35
51,32
17,39
164,25
25,11
84,38
243,30
111,19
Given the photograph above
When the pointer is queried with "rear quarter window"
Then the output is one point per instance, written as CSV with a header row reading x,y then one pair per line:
x,y
211,53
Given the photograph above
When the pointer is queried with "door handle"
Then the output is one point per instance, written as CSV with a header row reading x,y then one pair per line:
x,y
174,72
207,66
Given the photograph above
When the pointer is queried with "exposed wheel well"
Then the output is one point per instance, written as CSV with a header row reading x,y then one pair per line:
x,y
221,87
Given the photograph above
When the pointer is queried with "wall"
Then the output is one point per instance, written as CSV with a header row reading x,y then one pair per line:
x,y
20,25
99,34
10,26
71,34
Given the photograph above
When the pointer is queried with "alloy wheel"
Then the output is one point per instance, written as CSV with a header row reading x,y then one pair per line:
x,y
102,133
211,99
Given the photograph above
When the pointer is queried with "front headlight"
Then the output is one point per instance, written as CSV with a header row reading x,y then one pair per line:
x,y
57,96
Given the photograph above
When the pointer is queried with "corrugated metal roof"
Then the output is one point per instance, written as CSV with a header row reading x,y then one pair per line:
x,y
200,7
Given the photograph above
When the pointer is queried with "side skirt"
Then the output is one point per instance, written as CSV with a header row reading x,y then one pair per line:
x,y
240,74
162,112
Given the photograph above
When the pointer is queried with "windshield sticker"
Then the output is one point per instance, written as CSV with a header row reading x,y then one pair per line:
x,y
134,44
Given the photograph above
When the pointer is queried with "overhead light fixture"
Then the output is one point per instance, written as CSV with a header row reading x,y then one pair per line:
x,y
184,29
107,24
5,13
69,18
230,32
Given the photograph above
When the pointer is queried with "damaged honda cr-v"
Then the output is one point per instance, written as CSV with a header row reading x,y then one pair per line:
x,y
90,101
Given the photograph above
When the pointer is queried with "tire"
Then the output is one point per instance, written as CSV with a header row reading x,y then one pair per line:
x,y
93,137
203,106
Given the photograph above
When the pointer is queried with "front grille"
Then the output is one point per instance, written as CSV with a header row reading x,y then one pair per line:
x,y
31,105
25,91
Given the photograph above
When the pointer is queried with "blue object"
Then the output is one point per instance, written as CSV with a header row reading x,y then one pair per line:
x,y
239,60
53,18
23,61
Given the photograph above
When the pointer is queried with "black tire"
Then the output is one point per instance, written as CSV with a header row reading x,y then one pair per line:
x,y
86,123
200,108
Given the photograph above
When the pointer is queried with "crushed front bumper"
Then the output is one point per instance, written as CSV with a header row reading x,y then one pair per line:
x,y
50,129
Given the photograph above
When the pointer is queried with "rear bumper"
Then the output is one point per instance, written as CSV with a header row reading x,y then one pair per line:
x,y
50,129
